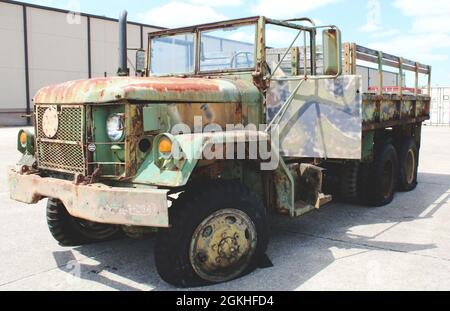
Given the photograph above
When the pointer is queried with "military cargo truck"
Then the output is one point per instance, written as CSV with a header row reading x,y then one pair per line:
x,y
217,133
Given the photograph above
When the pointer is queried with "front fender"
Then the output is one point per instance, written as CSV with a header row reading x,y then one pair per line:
x,y
193,146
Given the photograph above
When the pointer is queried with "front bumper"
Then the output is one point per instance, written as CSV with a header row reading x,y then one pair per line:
x,y
96,202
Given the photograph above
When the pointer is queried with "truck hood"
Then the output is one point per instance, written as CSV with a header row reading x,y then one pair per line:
x,y
153,89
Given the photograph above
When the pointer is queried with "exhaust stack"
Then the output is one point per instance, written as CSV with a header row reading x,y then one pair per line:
x,y
123,69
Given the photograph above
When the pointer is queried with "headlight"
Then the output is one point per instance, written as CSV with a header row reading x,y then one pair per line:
x,y
115,127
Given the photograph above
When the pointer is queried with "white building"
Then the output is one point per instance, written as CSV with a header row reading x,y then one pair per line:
x,y
42,46
440,106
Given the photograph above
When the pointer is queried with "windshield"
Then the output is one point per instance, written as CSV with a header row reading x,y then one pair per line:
x,y
223,49
172,54
228,48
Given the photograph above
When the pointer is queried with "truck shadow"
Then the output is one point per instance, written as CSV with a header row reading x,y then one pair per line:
x,y
299,249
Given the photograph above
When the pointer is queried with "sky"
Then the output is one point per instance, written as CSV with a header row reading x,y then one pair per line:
x,y
415,29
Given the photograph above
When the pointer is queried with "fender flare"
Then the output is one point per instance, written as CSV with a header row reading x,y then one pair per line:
x,y
193,147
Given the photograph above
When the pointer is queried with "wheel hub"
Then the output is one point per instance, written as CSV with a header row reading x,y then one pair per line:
x,y
228,248
222,245
410,167
388,179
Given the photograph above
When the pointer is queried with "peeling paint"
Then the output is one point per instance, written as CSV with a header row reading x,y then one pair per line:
x,y
173,89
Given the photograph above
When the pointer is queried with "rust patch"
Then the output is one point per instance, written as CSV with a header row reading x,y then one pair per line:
x,y
106,89
172,85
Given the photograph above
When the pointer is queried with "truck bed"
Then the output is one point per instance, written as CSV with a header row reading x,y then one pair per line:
x,y
391,109
393,105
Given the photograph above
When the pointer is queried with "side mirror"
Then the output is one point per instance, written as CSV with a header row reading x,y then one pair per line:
x,y
140,61
332,52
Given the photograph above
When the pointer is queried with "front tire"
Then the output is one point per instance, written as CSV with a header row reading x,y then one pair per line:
x,y
218,232
71,231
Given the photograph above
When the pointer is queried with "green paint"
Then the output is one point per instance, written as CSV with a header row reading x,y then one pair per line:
x,y
105,151
29,147
367,146
152,118
165,173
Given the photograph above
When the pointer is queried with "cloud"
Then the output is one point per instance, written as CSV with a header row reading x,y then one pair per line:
x,y
288,8
416,47
369,27
373,23
421,8
432,24
217,3
177,14
429,16
387,33
428,39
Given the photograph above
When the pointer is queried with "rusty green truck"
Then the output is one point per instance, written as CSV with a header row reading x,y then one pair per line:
x,y
225,124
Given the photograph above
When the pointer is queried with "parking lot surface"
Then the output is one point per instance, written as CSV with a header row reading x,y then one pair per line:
x,y
403,246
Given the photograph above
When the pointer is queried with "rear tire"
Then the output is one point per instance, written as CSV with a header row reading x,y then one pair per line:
x,y
219,231
408,165
380,178
348,182
71,231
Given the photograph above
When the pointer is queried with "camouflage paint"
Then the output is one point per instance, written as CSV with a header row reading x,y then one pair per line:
x,y
176,173
324,120
387,110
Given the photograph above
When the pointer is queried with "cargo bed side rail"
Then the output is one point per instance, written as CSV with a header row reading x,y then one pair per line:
x,y
354,52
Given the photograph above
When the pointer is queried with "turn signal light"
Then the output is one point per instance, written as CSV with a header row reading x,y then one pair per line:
x,y
23,138
165,146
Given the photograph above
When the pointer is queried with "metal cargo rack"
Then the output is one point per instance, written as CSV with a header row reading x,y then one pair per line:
x,y
383,106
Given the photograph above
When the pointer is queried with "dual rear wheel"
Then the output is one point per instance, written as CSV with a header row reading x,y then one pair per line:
x,y
392,169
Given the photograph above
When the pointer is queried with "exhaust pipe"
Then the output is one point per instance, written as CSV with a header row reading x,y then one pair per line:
x,y
123,69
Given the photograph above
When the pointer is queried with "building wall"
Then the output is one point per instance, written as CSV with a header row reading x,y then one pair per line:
x,y
57,47
12,60
440,106
57,50
370,77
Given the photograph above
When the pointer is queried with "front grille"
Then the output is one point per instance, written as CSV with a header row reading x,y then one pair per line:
x,y
65,151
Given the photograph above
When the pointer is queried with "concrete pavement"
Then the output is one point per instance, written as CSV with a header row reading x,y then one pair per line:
x,y
403,246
